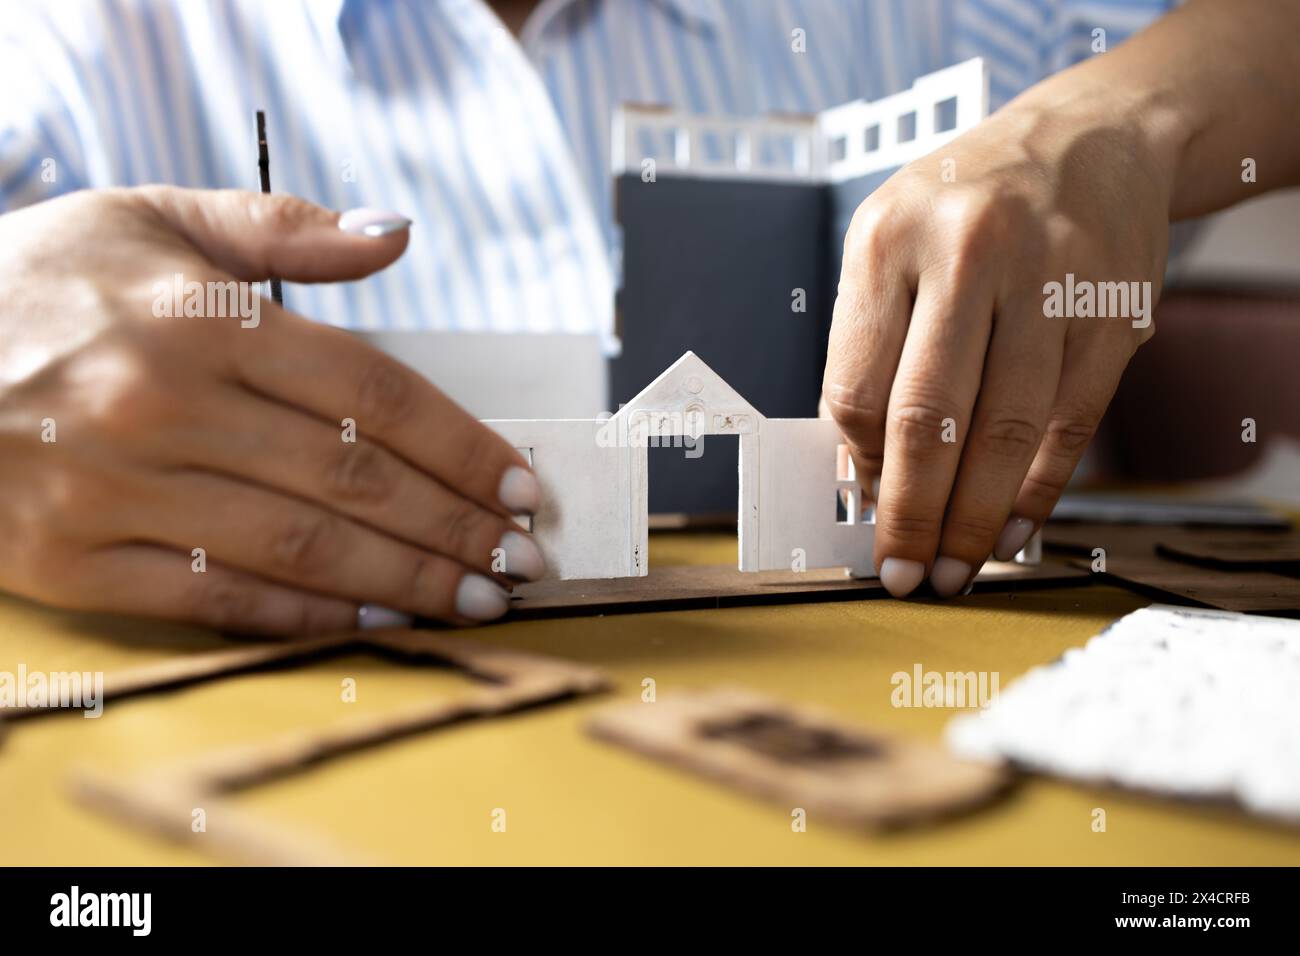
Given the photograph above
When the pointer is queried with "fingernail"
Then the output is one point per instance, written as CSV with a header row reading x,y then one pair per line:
x,y
949,576
372,616
519,492
522,557
1013,537
372,222
901,576
479,599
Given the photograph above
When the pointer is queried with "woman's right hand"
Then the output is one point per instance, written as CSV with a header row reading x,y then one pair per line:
x,y
257,472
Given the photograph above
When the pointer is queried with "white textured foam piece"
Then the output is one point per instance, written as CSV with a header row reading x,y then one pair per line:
x,y
1179,701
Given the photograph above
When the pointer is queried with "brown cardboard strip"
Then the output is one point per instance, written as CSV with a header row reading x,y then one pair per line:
x,y
714,586
801,759
1230,568
1252,592
1221,547
1273,552
175,672
163,800
1082,539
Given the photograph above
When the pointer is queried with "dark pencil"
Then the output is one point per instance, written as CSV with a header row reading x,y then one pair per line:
x,y
264,169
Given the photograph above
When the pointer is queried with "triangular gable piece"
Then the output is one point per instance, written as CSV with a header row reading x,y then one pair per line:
x,y
691,397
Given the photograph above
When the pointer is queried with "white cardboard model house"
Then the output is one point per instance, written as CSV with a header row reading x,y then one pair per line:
x,y
799,507
839,144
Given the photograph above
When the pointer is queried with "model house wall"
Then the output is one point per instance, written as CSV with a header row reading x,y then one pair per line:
x,y
794,509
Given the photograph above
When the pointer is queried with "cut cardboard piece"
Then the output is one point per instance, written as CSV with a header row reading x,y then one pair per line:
x,y
801,759
687,587
1144,510
1248,591
1231,569
162,800
190,669
797,508
1274,551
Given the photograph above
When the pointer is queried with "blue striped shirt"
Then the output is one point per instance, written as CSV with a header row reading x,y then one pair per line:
x,y
498,149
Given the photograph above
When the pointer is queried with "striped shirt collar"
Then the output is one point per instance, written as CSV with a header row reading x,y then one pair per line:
x,y
325,16
325,13
695,14
704,13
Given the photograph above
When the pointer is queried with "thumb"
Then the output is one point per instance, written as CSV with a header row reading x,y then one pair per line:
x,y
254,236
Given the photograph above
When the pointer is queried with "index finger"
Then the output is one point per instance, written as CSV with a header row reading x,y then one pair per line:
x,y
335,376
868,328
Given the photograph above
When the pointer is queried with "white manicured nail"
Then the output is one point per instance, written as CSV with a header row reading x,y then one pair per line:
x,y
519,492
522,559
901,576
372,616
372,222
1013,537
949,576
479,599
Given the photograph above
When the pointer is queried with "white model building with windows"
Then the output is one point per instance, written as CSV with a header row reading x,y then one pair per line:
x,y
842,143
799,502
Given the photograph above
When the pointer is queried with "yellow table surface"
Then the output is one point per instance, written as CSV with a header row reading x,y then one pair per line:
x,y
570,799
